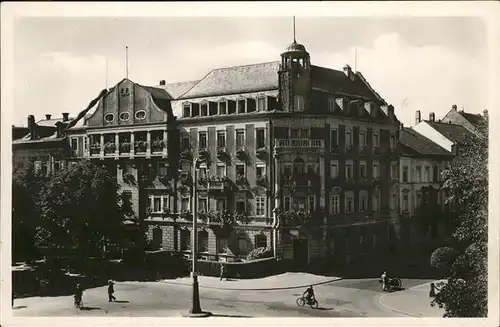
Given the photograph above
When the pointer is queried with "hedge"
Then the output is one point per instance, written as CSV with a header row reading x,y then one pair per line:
x,y
249,269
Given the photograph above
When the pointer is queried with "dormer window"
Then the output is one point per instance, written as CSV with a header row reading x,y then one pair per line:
x,y
241,106
331,104
203,110
186,110
261,104
222,108
299,103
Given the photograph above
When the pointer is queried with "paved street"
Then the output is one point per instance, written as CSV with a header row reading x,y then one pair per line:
x,y
343,298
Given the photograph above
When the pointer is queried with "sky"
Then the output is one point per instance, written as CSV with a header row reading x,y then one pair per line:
x,y
414,63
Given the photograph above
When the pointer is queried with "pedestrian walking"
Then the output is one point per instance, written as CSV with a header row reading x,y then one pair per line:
x,y
384,279
223,272
111,291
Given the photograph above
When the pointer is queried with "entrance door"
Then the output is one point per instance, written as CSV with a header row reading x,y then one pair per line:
x,y
300,253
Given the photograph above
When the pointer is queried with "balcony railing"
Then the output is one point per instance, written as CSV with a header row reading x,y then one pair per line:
x,y
299,143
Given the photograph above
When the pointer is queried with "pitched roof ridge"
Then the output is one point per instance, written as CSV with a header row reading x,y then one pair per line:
x,y
247,65
443,123
365,81
177,83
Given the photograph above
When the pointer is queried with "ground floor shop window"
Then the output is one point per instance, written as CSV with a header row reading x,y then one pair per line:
x,y
203,241
185,240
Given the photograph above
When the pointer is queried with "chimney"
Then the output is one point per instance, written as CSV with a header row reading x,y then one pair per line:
x,y
432,117
31,126
162,82
47,116
65,116
60,128
348,72
418,117
485,113
454,107
390,112
343,104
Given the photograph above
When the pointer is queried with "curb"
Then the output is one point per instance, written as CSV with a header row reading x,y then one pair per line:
x,y
396,310
256,289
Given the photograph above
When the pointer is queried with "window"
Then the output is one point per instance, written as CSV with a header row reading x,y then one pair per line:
x,y
74,144
203,204
243,243
260,171
157,204
85,143
376,201
109,118
260,138
376,140
222,245
240,170
334,169
335,204
260,205
221,205
405,202
127,197
362,169
240,139
202,142
349,200
418,174
334,138
287,170
240,206
348,170
435,174
394,170
362,203
124,116
203,110
427,174
222,108
185,240
162,168
299,103
221,170
186,110
405,174
287,203
221,139
312,203
261,104
362,140
418,200
185,142
394,201
203,241
141,114
185,204
393,141
331,104
348,139
376,171
260,241
56,166
241,106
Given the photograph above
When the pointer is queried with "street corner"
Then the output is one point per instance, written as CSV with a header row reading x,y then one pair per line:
x,y
413,302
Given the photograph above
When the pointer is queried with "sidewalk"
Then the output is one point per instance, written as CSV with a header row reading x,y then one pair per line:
x,y
414,302
277,282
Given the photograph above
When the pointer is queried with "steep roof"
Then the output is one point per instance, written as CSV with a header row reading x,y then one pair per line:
x,y
157,93
474,119
239,79
453,132
177,89
420,144
52,122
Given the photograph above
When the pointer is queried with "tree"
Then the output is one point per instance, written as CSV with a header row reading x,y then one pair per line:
x,y
82,210
26,190
443,258
466,187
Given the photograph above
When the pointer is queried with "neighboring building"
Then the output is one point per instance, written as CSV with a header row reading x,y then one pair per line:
x,y
421,164
43,145
304,157
472,122
446,135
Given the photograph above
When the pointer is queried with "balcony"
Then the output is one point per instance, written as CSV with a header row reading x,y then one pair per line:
x,y
299,143
218,183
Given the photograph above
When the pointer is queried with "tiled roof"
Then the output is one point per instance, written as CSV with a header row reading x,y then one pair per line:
x,y
264,76
26,139
335,81
157,93
474,119
177,89
420,144
233,80
453,132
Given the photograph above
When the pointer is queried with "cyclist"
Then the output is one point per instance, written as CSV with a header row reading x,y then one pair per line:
x,y
309,294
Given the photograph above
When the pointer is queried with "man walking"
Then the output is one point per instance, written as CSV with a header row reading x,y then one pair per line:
x,y
222,271
111,291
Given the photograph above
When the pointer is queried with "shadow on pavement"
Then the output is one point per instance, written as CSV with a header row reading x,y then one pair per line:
x,y
324,309
230,316
90,308
121,301
19,307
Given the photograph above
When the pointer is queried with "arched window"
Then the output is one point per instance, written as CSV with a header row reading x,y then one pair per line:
x,y
260,241
157,238
203,241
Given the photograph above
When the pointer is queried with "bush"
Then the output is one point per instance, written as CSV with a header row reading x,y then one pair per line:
x,y
257,268
259,253
443,258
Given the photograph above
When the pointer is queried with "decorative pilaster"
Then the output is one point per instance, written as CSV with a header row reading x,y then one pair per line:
x,y
132,145
164,143
148,144
101,152
117,146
